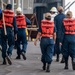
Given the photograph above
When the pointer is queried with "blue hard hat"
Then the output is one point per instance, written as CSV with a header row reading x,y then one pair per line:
x,y
0,11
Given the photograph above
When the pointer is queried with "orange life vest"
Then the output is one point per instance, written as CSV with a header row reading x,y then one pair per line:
x,y
0,24
21,21
69,25
8,17
47,28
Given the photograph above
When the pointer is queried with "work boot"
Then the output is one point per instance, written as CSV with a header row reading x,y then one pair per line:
x,y
4,62
18,57
73,63
23,55
8,60
62,61
57,59
48,68
66,64
44,66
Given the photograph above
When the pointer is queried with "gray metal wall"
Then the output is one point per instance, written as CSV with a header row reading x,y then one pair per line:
x,y
47,1
39,13
40,10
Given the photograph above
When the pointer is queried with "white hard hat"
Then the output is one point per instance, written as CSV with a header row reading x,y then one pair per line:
x,y
19,9
53,9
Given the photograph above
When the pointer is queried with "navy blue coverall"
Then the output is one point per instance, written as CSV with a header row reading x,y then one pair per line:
x,y
22,39
47,48
28,23
68,45
58,20
8,40
0,35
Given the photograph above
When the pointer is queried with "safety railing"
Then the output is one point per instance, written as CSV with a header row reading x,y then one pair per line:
x,y
69,6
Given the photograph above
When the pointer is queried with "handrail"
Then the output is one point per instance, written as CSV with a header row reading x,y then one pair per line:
x,y
66,5
69,6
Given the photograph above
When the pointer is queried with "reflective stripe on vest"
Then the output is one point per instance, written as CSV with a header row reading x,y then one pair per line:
x,y
8,16
47,28
21,21
69,25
